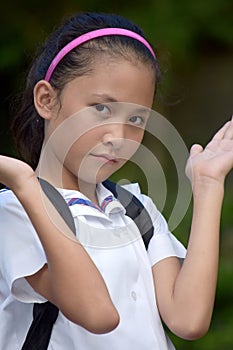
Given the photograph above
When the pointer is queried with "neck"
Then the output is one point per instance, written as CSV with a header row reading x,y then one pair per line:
x,y
51,171
89,190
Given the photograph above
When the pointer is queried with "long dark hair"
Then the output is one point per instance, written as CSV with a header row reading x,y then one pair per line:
x,y
28,126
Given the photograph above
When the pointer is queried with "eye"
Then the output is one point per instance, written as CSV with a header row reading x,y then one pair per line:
x,y
137,120
103,109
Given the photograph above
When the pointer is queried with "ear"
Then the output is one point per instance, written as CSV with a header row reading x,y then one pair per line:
x,y
45,99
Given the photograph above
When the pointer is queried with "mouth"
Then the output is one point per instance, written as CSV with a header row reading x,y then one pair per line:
x,y
107,158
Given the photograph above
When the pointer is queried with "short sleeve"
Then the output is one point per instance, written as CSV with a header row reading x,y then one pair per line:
x,y
163,243
21,253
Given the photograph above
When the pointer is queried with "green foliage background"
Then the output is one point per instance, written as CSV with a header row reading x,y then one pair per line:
x,y
194,45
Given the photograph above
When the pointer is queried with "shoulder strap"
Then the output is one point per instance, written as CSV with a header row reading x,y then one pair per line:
x,y
39,334
134,209
59,203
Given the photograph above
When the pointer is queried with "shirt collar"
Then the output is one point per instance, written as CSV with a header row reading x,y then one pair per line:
x,y
108,203
81,205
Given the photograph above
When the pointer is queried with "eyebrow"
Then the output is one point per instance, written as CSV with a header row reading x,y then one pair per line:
x,y
106,97
109,98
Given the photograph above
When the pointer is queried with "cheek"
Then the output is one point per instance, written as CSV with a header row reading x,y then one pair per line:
x,y
134,140
139,135
82,147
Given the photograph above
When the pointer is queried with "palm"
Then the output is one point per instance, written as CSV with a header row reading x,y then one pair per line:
x,y
216,159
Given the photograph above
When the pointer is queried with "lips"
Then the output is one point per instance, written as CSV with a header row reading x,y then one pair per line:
x,y
105,157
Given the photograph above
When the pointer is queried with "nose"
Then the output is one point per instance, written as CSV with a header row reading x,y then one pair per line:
x,y
115,135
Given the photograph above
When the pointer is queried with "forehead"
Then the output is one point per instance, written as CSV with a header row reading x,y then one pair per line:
x,y
113,61
123,80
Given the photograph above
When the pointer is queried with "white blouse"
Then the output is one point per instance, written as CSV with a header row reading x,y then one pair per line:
x,y
115,245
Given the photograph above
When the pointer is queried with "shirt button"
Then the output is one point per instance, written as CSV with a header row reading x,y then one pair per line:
x,y
134,295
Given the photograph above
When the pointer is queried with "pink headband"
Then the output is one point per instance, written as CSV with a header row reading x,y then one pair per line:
x,y
92,35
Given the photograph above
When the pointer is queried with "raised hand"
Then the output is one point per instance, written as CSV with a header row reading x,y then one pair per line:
x,y
215,161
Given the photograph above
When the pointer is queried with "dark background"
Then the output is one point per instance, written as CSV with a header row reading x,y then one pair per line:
x,y
194,44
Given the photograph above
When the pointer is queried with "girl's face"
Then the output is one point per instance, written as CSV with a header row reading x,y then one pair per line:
x,y
100,120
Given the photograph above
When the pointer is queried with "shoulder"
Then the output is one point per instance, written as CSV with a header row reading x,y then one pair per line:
x,y
10,205
147,201
159,222
163,244
135,189
7,197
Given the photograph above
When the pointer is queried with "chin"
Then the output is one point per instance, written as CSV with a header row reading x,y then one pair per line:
x,y
101,174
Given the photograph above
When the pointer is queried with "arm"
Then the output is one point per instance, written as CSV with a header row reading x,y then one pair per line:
x,y
70,279
186,294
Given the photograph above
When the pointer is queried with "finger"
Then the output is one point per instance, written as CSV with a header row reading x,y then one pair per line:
x,y
221,132
229,131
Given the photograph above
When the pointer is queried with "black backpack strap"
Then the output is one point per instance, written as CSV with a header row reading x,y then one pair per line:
x,y
59,203
45,314
134,209
39,334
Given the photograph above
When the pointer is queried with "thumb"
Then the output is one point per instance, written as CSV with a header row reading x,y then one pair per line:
x,y
195,149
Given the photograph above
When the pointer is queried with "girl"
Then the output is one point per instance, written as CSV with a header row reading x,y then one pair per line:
x,y
82,116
